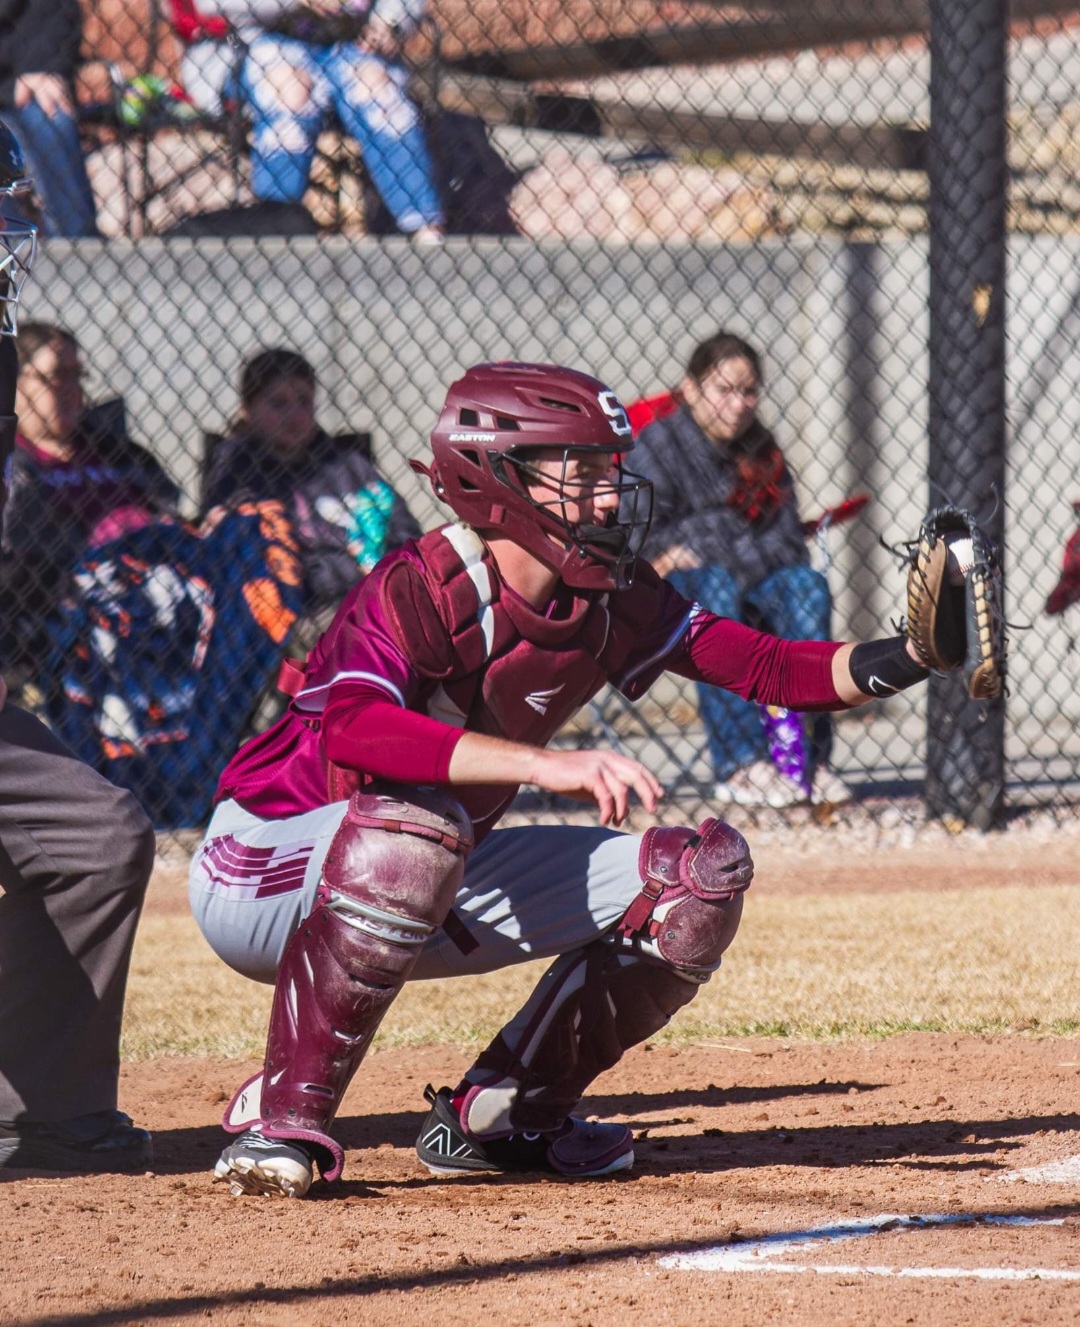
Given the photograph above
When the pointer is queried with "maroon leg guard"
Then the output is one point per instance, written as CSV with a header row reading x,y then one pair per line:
x,y
589,1007
592,1005
388,881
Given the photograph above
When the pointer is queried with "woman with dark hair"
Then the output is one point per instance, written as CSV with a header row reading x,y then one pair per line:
x,y
75,479
726,532
344,513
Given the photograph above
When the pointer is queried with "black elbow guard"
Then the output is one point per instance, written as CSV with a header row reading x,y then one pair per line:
x,y
883,667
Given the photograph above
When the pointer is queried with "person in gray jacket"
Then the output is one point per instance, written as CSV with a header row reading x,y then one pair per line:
x,y
344,514
726,532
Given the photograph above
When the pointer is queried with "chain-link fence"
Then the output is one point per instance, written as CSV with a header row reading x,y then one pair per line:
x,y
614,183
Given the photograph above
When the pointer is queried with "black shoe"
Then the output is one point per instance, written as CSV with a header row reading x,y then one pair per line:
x,y
578,1149
275,1167
103,1141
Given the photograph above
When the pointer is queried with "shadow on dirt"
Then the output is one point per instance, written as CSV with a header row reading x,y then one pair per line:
x,y
664,1146
472,1273
179,1151
926,1145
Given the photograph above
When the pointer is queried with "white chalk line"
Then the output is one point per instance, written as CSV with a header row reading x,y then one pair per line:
x,y
1064,1171
759,1255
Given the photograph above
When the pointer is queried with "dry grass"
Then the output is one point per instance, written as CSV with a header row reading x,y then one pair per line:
x,y
970,960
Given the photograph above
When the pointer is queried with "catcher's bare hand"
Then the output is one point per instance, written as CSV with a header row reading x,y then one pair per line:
x,y
604,777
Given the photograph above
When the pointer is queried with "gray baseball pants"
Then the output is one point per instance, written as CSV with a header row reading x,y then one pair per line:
x,y
530,892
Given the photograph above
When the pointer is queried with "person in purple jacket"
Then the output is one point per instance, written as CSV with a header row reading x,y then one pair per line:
x,y
354,844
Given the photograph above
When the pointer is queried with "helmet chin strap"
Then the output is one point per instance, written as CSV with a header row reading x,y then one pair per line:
x,y
613,538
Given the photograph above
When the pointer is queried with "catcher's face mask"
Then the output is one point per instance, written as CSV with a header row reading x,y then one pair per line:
x,y
18,237
18,249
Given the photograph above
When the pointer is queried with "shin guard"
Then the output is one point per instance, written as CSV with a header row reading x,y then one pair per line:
x,y
592,1005
589,1007
388,881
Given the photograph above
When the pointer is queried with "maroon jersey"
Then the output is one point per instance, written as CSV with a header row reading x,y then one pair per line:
x,y
433,630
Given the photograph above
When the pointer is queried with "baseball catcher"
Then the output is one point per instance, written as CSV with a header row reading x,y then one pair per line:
x,y
355,845
954,601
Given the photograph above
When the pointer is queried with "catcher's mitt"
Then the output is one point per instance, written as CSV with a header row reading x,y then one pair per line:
x,y
954,609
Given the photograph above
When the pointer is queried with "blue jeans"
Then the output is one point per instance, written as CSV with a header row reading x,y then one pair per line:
x,y
792,602
54,157
370,99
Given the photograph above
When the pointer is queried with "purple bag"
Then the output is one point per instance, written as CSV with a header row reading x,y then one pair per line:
x,y
789,744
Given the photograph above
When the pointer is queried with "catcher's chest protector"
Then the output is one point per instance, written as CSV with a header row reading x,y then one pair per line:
x,y
515,673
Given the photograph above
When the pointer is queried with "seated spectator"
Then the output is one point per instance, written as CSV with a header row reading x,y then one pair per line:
x,y
303,61
344,514
39,56
75,479
726,532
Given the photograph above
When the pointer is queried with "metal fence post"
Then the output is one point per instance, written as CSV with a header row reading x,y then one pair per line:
x,y
965,774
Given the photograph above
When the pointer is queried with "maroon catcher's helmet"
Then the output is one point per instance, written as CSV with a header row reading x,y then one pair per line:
x,y
495,419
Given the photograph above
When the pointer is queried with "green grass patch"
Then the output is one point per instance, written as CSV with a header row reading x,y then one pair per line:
x,y
980,962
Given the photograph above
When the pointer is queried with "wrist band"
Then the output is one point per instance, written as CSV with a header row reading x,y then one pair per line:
x,y
883,667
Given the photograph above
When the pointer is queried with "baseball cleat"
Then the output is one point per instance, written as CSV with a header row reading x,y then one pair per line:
x,y
578,1149
97,1143
254,1164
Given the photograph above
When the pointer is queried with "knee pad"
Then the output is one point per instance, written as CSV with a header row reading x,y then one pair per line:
x,y
388,880
396,861
691,901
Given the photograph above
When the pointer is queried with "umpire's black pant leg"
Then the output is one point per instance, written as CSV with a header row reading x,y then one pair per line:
x,y
75,859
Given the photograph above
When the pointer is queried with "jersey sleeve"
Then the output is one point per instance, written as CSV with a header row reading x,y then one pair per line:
x,y
362,732
669,633
371,674
757,666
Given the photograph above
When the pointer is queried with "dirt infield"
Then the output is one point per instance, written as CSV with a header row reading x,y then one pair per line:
x,y
739,1140
735,1142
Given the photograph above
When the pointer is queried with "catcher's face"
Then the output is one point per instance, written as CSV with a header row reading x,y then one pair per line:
x,y
724,403
580,487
